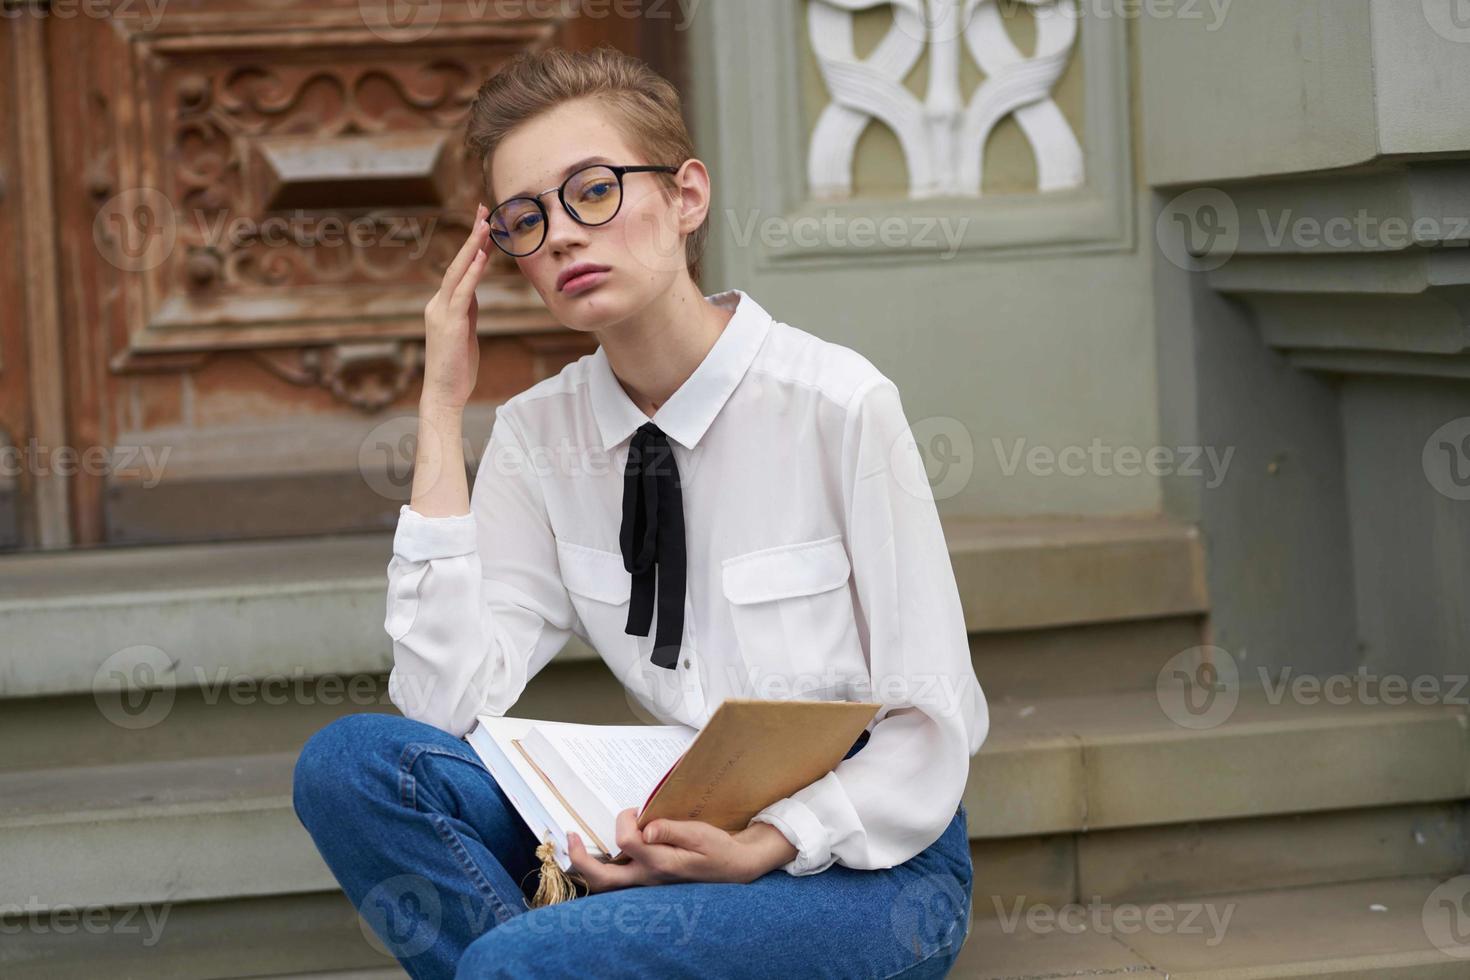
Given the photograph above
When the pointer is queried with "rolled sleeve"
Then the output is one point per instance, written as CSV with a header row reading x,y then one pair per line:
x,y
421,538
476,606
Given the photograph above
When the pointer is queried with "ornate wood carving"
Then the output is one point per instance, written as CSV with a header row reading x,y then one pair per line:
x,y
368,376
298,195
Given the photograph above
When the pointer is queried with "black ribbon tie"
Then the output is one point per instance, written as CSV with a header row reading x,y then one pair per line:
x,y
652,536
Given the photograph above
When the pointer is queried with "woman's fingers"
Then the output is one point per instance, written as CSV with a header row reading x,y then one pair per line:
x,y
459,300
601,877
472,244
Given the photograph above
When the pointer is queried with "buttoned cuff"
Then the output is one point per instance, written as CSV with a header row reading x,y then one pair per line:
x,y
799,825
420,538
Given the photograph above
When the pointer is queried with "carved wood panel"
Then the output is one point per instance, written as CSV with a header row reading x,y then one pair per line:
x,y
255,199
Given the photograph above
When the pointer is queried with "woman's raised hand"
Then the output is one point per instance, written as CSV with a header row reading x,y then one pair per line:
x,y
451,346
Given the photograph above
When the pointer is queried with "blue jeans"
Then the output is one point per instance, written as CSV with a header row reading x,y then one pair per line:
x,y
439,864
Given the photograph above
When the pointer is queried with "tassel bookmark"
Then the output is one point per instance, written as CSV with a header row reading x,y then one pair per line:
x,y
555,885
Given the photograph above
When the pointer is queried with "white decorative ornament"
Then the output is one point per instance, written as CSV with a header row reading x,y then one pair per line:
x,y
943,138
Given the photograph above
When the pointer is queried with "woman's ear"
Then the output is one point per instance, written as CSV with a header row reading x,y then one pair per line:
x,y
693,194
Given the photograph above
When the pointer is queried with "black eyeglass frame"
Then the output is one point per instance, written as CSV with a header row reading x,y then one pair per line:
x,y
561,193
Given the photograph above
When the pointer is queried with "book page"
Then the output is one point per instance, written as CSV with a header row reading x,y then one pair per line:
x,y
618,764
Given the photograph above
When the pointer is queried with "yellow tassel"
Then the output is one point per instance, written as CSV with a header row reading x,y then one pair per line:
x,y
555,885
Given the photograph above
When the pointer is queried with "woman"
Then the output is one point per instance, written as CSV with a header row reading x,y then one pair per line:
x,y
723,505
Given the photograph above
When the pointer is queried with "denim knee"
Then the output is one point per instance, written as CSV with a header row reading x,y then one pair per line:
x,y
336,758
506,953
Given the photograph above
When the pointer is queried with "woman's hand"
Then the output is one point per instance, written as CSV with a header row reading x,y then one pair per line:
x,y
681,850
451,346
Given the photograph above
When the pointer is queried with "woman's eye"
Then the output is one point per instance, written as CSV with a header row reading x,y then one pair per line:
x,y
598,190
527,223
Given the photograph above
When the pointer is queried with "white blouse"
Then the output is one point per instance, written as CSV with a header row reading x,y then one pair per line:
x,y
816,569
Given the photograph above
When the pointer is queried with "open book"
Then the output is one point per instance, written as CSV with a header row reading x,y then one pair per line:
x,y
563,776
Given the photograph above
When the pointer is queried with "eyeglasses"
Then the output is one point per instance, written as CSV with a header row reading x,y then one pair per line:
x,y
592,196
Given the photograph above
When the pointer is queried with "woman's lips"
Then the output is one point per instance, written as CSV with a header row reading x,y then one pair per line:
x,y
584,282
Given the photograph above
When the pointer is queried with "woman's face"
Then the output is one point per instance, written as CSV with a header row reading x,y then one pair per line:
x,y
641,249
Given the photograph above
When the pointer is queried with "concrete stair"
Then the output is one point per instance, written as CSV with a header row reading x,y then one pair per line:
x,y
1362,930
1086,787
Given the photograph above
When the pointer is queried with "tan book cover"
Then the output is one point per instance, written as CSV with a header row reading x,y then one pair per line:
x,y
752,753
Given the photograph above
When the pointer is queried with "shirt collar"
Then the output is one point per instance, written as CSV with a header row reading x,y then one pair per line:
x,y
689,410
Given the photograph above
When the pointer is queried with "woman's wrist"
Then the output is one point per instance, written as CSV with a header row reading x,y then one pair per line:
x,y
769,848
433,408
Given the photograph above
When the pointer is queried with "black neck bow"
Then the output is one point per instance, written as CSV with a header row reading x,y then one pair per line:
x,y
653,535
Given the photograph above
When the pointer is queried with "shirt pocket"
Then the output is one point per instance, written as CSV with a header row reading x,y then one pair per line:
x,y
793,617
601,589
599,586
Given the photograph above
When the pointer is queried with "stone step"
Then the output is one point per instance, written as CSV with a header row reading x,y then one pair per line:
x,y
222,827
154,832
314,605
1069,764
1392,928
1384,929
310,935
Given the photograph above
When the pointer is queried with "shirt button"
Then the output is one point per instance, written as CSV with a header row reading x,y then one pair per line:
x,y
686,661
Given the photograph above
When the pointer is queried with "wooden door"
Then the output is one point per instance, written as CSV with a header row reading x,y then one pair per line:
x,y
224,218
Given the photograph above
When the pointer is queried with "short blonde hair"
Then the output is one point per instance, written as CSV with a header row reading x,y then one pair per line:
x,y
642,103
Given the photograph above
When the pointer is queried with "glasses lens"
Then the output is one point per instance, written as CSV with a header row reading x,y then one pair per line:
x,y
517,226
593,195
